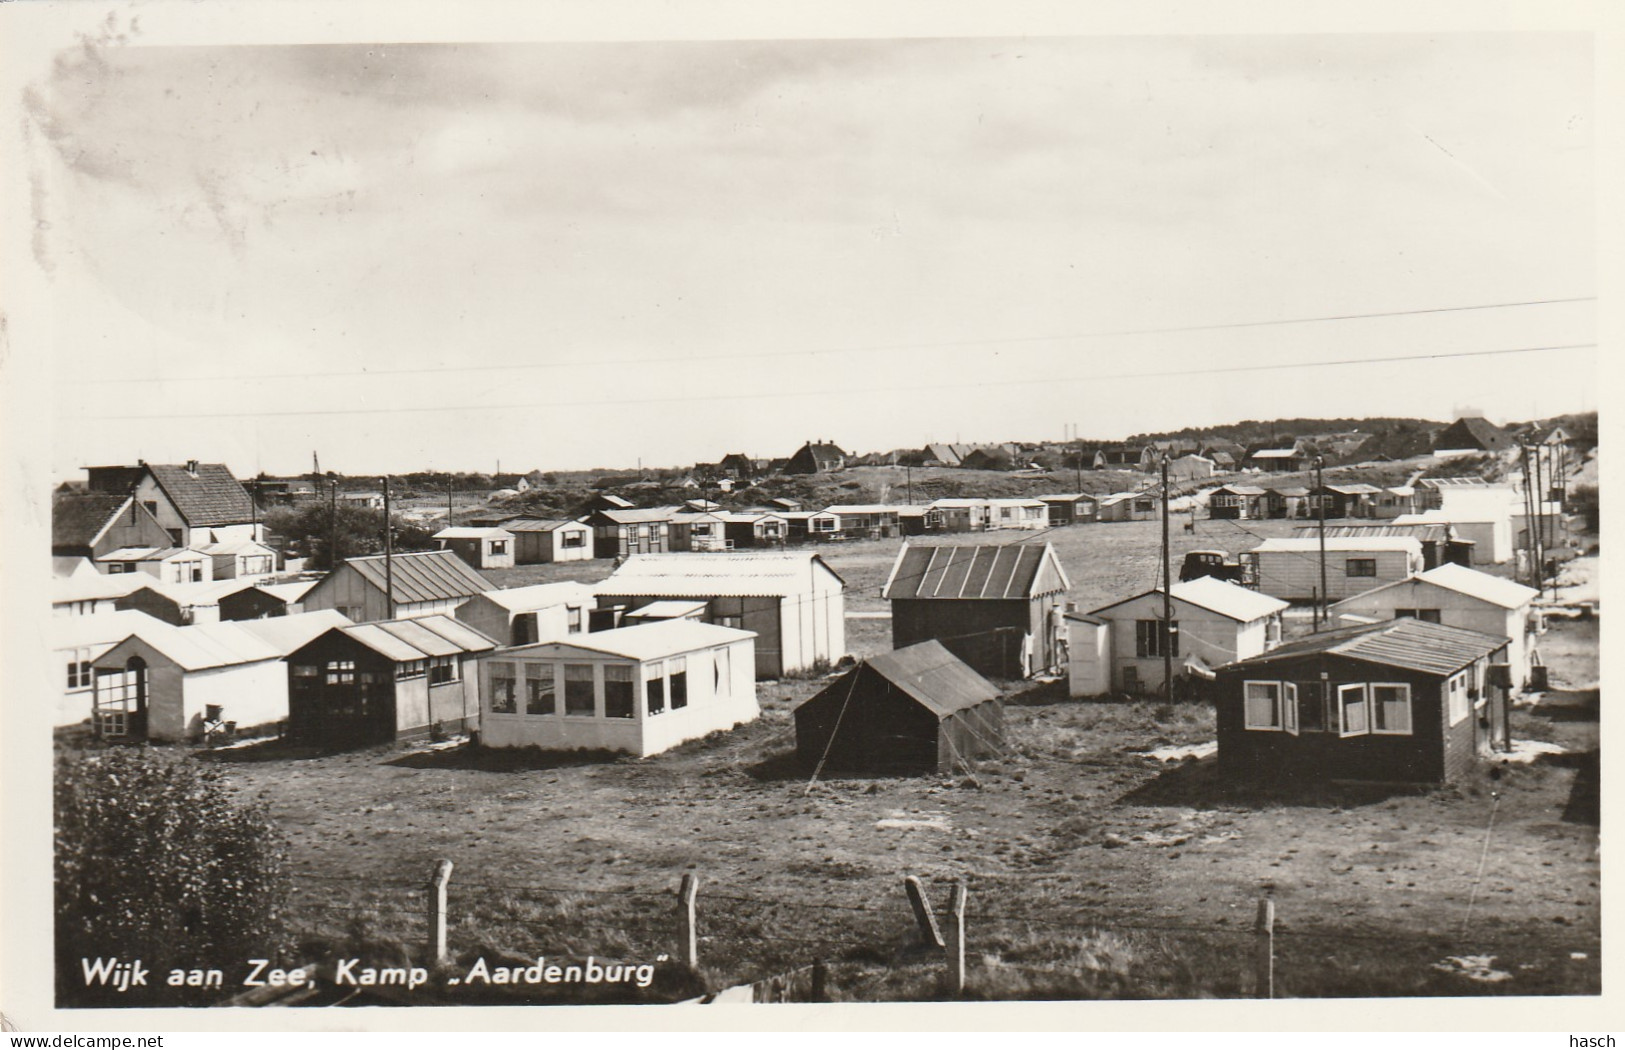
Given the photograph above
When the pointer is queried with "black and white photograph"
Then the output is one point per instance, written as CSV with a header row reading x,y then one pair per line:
x,y
905,512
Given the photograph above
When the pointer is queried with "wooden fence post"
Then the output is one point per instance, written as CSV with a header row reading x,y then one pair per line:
x,y
437,912
956,940
923,916
685,910
1264,950
820,982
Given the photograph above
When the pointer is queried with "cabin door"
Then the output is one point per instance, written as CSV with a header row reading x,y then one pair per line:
x,y
121,701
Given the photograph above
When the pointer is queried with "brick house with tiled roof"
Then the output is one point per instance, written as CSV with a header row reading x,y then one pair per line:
x,y
94,524
195,503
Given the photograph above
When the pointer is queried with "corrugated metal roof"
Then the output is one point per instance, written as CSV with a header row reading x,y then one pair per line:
x,y
1410,644
930,674
1242,490
211,496
423,576
647,641
108,628
669,608
1216,595
981,571
1065,497
99,587
416,639
202,646
471,532
288,592
135,554
638,516
1299,544
382,642
863,508
703,575
287,633
540,595
539,524
1434,533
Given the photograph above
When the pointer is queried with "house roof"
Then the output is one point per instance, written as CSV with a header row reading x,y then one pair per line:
x,y
1481,585
288,592
287,633
1300,544
669,608
422,576
210,496
540,524
1473,432
931,675
540,595
862,508
959,501
1015,501
702,575
1066,497
134,554
1216,595
471,532
68,566
101,586
109,628
233,547
417,639
1409,644
786,503
638,515
647,641
78,519
1437,532
202,646
979,571
1242,490
1274,453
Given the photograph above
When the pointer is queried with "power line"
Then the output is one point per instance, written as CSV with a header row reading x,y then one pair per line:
x,y
875,348
831,391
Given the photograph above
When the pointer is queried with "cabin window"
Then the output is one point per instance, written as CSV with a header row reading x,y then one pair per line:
x,y
1143,506
569,540
823,524
341,672
1391,708
411,669
1354,708
1428,615
1261,702
540,698
1153,638
79,669
502,688
306,671
443,669
677,672
1361,567
499,547
643,532
257,565
578,698
654,687
1457,700
117,567
573,619
619,700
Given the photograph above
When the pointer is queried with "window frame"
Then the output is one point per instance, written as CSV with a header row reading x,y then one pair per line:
x,y
504,688
1376,706
592,690
1451,690
1277,692
1350,564
619,675
1362,705
537,674
1148,641
654,688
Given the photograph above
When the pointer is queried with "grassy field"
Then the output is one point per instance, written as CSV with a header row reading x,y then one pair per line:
x,y
1095,869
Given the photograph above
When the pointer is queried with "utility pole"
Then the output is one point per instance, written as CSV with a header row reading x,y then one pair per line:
x,y
332,521
450,512
1167,597
1320,504
1537,577
908,476
389,552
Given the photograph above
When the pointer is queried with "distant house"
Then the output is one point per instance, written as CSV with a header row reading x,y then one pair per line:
x,y
1455,596
490,547
864,521
919,521
699,531
623,533
792,601
816,457
1190,467
1235,502
1069,508
1223,462
784,503
165,683
1227,454
1439,543
944,454
1278,460
1394,500
366,499
1151,455
425,583
1399,700
91,595
372,683
990,458
521,615
756,528
639,690
1290,568
167,564
737,465
540,541
605,501
189,603
76,641
1129,506
963,514
240,559
1214,623
1342,500
1286,501
995,606
1018,514
196,503
93,524
918,709
1118,458
1488,529
1469,435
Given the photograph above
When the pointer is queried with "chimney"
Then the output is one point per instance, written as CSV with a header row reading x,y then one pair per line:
x,y
191,467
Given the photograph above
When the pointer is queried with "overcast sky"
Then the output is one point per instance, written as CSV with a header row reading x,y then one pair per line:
x,y
566,255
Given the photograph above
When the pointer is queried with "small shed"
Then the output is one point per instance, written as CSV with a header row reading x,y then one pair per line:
x,y
165,564
756,528
917,709
372,683
995,606
699,531
422,583
963,514
1236,502
521,615
1018,514
1439,542
871,521
539,541
623,533
639,689
1130,506
1399,700
240,559
490,547
1290,567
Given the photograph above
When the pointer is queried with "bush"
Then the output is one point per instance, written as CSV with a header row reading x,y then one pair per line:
x,y
157,861
1583,500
